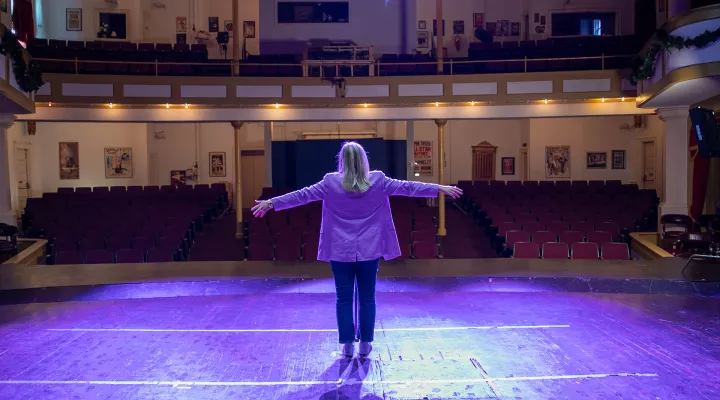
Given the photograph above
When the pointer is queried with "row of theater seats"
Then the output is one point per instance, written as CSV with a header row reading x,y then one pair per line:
x,y
576,251
567,211
136,218
618,49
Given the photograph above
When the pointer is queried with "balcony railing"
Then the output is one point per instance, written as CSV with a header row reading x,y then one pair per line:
x,y
332,68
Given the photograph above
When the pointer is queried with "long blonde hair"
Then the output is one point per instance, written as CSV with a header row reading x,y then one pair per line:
x,y
354,168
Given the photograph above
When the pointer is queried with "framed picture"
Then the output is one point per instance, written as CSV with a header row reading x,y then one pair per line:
x,y
540,29
213,24
69,156
217,165
228,25
508,165
423,37
618,159
422,25
459,27
542,20
557,161
181,24
73,19
249,29
597,160
112,25
515,29
478,20
178,177
4,6
435,29
181,38
491,28
503,28
118,162
536,18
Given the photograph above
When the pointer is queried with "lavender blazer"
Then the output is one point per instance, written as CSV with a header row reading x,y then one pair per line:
x,y
356,226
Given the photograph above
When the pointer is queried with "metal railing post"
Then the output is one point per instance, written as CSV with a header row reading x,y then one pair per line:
x,y
76,66
602,59
451,66
525,64
156,67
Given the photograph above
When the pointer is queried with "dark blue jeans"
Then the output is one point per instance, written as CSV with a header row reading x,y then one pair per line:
x,y
345,274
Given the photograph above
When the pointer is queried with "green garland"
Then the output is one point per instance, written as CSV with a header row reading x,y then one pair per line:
x,y
644,67
28,73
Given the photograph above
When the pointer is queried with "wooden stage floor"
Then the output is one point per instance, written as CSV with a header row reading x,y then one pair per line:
x,y
430,345
446,329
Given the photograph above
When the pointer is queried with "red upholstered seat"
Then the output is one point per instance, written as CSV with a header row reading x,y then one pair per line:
x,y
557,251
526,250
615,251
585,251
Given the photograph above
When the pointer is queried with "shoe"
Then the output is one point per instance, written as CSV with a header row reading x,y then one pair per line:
x,y
365,349
348,349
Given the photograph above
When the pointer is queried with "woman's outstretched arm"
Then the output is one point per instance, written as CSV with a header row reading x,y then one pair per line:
x,y
293,199
396,187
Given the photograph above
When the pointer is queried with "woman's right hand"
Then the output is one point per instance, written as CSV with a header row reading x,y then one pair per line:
x,y
452,191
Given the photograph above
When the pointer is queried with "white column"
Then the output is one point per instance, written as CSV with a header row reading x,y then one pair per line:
x,y
268,154
675,161
410,146
6,214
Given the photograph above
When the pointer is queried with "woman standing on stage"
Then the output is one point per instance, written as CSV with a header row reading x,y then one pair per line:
x,y
357,230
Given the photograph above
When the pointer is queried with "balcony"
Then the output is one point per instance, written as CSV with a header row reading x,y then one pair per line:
x,y
684,77
177,78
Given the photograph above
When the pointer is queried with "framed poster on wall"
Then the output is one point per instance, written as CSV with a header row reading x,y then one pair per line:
x,y
73,19
69,156
596,160
217,165
423,155
508,165
118,162
618,159
557,161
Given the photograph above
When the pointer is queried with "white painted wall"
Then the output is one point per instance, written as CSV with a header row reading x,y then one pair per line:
x,y
92,138
187,143
182,146
514,11
54,12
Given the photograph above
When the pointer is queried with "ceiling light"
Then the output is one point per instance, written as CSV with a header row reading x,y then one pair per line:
x,y
365,105
623,99
167,105
186,105
277,105
111,105
603,99
49,104
545,101
437,104
472,103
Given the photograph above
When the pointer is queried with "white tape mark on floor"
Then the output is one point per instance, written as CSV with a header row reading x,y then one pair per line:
x,y
429,329
185,384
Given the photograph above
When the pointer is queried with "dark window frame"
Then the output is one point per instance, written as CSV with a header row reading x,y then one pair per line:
x,y
339,10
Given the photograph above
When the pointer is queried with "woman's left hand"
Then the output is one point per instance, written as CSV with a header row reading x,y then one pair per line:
x,y
261,208
452,191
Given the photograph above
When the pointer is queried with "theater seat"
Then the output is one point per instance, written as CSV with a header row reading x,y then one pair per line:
x,y
526,250
585,251
615,251
555,251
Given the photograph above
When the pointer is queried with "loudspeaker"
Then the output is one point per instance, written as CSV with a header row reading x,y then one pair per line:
x,y
706,130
